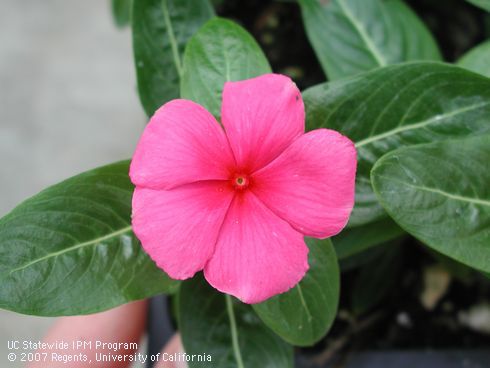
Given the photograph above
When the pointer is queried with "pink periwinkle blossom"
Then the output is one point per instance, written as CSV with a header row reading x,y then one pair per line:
x,y
237,199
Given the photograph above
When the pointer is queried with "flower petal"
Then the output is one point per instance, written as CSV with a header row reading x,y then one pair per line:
x,y
261,116
258,255
183,143
178,228
311,184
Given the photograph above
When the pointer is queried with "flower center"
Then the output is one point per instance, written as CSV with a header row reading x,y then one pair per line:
x,y
240,181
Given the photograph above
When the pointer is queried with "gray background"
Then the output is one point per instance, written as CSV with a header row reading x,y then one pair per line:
x,y
68,103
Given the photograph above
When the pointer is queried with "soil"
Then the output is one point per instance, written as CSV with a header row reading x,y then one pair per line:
x,y
398,320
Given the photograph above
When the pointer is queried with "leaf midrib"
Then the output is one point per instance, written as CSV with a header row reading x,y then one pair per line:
x,y
372,48
456,197
418,125
234,332
171,37
73,248
303,302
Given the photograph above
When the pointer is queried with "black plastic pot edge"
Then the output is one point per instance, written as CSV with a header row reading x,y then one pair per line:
x,y
411,359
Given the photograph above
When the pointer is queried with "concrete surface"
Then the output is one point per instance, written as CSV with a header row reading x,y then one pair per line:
x,y
67,104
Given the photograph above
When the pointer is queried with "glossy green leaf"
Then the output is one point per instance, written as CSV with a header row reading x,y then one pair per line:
x,y
484,4
352,36
70,249
440,193
161,29
376,279
303,315
357,239
229,331
395,106
220,51
121,12
477,59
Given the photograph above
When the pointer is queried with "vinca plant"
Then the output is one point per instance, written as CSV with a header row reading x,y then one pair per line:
x,y
257,197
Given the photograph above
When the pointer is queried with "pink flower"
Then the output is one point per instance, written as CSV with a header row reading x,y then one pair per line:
x,y
237,200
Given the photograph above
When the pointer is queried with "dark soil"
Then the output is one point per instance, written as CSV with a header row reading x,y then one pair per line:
x,y
399,321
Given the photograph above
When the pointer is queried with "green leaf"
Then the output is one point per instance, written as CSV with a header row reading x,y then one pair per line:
x,y
303,315
121,12
396,106
440,193
376,279
477,59
484,4
70,249
354,240
220,51
227,330
352,36
161,29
